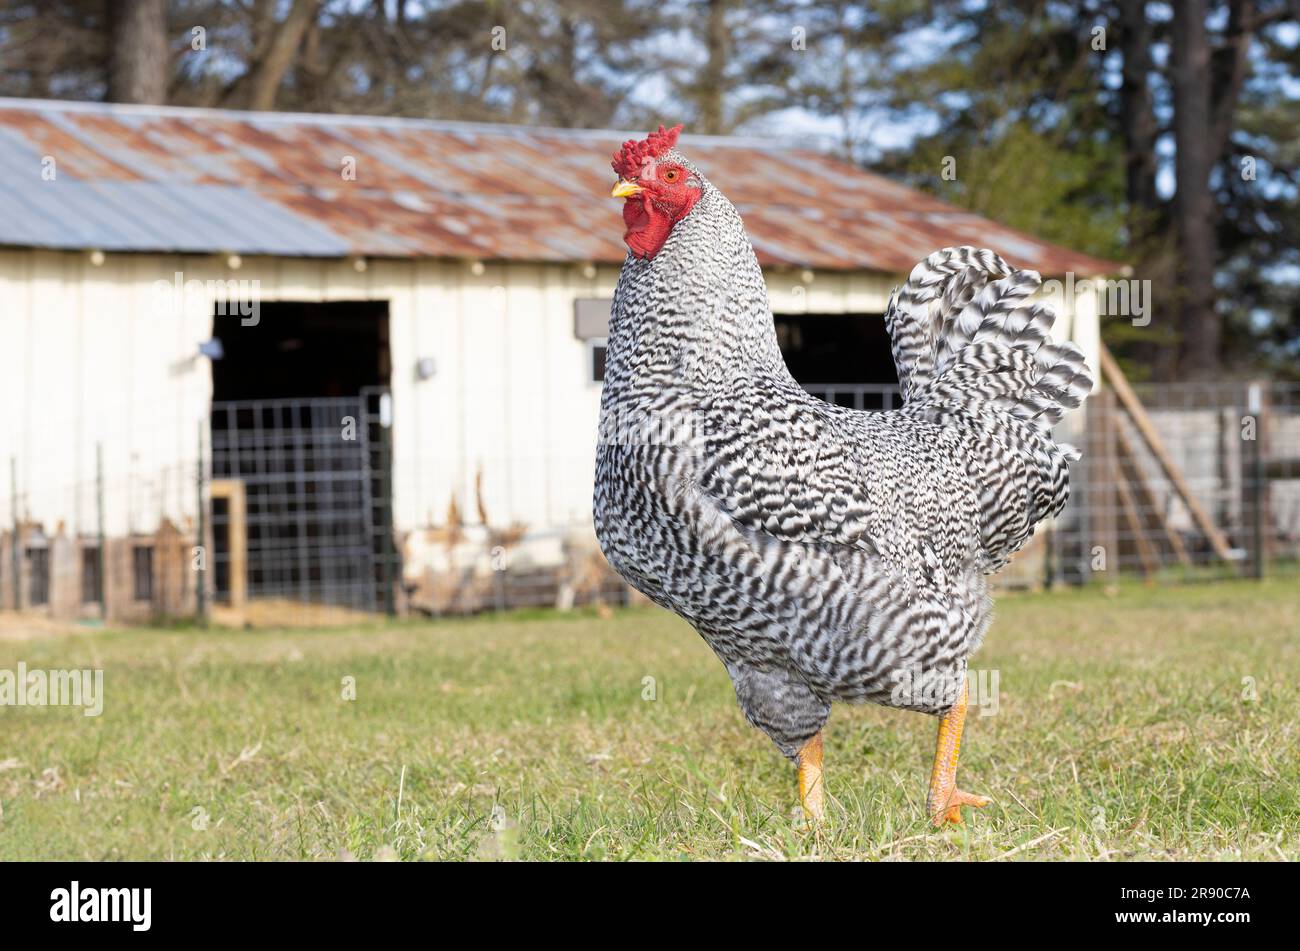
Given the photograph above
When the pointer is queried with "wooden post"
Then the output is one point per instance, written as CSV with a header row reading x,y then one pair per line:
x,y
1100,491
201,577
1128,506
15,547
1145,499
232,490
1256,479
386,474
102,555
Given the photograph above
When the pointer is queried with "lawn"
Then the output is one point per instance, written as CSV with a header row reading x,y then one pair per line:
x,y
1124,729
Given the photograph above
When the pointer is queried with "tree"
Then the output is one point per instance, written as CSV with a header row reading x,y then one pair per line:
x,y
726,63
138,65
1072,121
1193,214
275,45
1009,116
1207,83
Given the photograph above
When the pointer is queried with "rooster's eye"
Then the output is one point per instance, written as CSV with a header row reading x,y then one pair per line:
x,y
670,175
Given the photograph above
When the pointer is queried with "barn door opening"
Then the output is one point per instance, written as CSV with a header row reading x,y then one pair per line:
x,y
840,358
300,512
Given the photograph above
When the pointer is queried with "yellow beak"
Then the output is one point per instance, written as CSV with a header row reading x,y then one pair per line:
x,y
625,189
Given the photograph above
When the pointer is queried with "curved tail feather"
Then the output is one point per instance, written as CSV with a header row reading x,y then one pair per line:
x,y
962,329
941,284
973,350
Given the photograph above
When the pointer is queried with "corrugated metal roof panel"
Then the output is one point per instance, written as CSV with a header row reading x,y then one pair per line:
x,y
136,178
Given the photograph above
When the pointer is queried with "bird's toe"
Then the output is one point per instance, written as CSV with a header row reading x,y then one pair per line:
x,y
950,810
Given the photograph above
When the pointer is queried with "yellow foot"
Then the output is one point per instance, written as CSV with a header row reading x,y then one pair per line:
x,y
950,811
945,800
812,793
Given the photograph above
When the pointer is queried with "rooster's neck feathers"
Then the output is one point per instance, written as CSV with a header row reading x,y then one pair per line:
x,y
698,308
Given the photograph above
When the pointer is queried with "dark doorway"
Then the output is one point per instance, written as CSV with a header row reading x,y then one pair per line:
x,y
302,350
841,358
296,438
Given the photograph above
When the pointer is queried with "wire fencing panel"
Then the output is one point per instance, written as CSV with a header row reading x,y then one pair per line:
x,y
304,471
1202,482
386,569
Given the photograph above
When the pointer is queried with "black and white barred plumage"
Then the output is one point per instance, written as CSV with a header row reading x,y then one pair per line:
x,y
825,553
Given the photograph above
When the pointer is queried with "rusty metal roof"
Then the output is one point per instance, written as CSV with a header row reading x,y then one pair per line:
x,y
164,179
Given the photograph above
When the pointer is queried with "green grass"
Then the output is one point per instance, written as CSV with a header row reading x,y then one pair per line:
x,y
1121,733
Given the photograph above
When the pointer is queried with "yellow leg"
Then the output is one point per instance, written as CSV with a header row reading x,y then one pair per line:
x,y
945,800
811,791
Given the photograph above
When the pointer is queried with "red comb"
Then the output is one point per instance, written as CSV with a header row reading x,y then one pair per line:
x,y
629,159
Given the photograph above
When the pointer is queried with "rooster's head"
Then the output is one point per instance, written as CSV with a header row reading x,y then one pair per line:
x,y
658,187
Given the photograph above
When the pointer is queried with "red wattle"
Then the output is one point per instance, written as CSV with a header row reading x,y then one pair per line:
x,y
648,226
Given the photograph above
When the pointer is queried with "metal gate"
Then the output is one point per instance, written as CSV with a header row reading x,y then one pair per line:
x,y
313,490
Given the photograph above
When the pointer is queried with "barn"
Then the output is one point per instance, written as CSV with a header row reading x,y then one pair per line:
x,y
252,360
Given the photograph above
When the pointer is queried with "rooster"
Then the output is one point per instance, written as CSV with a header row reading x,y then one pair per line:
x,y
823,553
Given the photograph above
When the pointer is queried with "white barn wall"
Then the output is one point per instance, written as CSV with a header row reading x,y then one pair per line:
x,y
87,358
